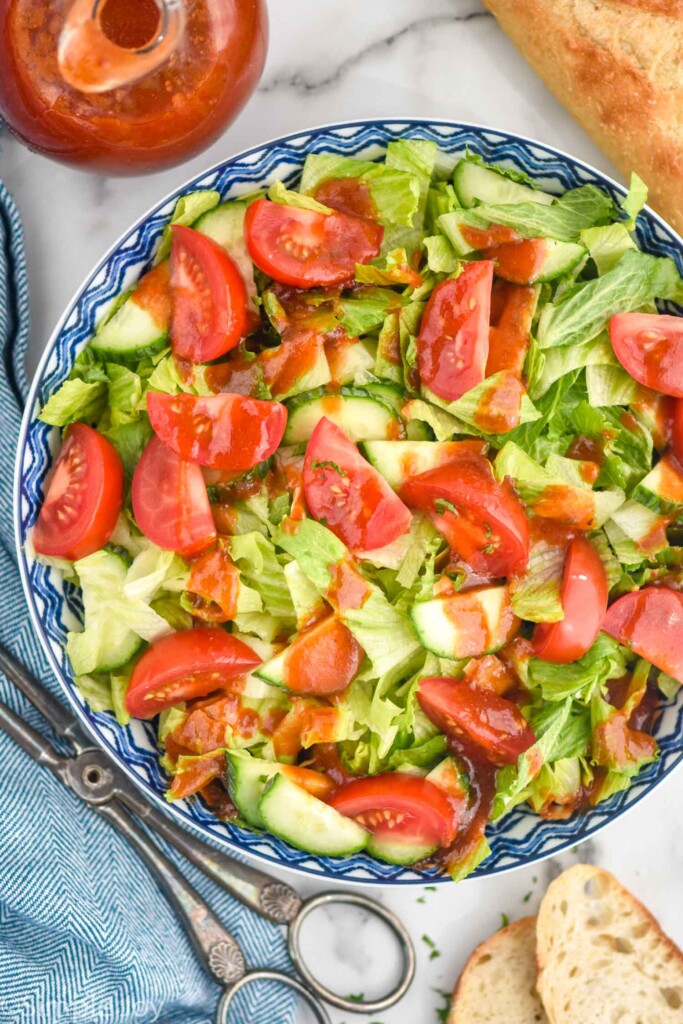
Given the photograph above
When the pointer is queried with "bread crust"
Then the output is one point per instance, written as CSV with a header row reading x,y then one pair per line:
x,y
578,876
617,66
520,931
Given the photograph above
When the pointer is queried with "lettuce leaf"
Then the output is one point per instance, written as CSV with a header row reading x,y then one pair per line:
x,y
606,659
366,309
536,593
76,399
395,193
187,210
573,212
580,315
260,568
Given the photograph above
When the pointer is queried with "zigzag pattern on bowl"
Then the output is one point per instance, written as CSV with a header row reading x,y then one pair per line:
x,y
520,837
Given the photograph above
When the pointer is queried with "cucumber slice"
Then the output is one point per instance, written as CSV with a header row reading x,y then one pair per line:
x,y
662,488
316,376
560,258
448,776
397,461
247,777
225,225
392,394
273,670
307,823
474,183
465,625
130,335
348,360
106,642
451,225
398,853
359,414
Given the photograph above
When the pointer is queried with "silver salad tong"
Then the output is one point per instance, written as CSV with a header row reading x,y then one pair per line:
x,y
97,780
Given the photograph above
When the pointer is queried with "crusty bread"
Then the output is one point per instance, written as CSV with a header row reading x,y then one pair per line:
x,y
617,66
498,983
602,957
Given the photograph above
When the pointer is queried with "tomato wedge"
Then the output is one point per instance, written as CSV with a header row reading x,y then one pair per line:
x,y
584,600
307,248
650,347
229,432
493,723
650,622
348,494
84,496
209,297
184,665
400,810
322,659
483,520
170,503
453,343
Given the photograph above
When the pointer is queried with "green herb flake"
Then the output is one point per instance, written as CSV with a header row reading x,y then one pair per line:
x,y
442,505
504,921
356,997
327,464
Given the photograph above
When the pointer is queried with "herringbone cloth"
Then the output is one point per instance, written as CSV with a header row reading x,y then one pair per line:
x,y
86,937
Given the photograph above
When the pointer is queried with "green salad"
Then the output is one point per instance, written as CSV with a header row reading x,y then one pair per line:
x,y
371,488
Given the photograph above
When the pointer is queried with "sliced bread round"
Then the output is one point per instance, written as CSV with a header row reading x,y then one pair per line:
x,y
498,983
602,957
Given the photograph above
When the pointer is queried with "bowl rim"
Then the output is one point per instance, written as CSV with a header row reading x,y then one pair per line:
x,y
176,812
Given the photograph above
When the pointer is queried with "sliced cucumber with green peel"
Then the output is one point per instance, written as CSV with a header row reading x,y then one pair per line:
x,y
465,625
349,360
476,184
397,461
247,777
273,670
398,852
308,823
359,414
314,377
106,641
662,488
130,335
225,225
392,394
559,259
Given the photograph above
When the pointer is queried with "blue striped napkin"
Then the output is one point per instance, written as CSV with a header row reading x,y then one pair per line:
x,y
86,937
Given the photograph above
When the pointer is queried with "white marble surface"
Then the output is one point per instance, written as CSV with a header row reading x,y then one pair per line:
x,y
334,61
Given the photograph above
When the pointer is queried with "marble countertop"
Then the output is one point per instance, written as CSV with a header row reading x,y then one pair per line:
x,y
391,61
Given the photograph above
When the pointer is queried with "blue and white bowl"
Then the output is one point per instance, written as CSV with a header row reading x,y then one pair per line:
x,y
521,837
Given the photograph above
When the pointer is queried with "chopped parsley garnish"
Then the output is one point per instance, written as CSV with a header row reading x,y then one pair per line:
x,y
442,505
504,920
328,464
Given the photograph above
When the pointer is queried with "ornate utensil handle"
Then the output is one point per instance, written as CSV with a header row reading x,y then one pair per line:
x,y
274,900
215,945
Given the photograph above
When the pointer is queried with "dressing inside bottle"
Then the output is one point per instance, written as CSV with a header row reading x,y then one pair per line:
x,y
125,86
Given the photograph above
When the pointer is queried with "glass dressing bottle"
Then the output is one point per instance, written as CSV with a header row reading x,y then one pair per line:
x,y
125,86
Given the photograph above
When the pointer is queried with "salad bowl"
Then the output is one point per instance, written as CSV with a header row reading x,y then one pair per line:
x,y
521,837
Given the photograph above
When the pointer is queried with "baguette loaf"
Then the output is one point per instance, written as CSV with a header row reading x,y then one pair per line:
x,y
498,983
602,957
617,66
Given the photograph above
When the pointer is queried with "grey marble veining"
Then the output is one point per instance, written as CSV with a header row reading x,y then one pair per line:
x,y
329,61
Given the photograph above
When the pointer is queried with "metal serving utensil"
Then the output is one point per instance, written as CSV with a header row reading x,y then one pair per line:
x,y
97,780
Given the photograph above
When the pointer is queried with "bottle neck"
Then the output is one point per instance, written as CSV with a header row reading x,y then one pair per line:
x,y
109,44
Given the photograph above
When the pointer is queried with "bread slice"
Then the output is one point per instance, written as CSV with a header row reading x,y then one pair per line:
x,y
602,957
617,66
498,984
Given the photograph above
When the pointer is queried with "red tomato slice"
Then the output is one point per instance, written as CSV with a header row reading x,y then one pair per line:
x,y
170,503
398,809
650,622
209,297
84,496
677,431
453,343
306,248
483,520
584,600
650,347
228,432
348,494
494,724
323,659
184,665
